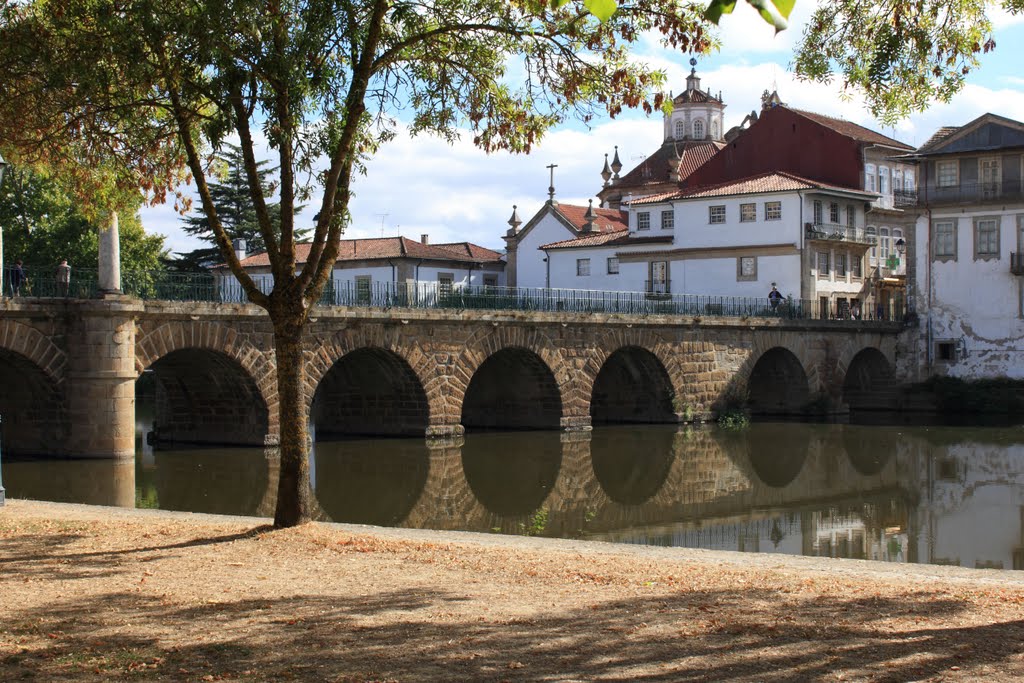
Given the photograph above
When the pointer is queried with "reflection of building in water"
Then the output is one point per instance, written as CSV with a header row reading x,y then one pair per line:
x,y
973,515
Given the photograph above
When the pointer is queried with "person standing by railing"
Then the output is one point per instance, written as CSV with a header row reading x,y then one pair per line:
x,y
774,298
17,278
63,277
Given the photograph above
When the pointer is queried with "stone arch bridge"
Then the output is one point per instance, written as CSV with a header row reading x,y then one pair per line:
x,y
69,371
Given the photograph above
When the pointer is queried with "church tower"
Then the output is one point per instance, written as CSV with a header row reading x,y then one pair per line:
x,y
696,114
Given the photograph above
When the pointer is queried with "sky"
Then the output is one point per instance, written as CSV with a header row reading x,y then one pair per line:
x,y
454,192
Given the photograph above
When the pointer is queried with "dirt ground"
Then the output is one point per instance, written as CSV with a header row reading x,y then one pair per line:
x,y
97,594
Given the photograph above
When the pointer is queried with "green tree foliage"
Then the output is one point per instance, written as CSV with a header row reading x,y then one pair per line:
x,y
230,193
136,89
42,225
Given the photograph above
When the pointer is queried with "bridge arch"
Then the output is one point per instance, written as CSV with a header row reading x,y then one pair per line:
x,y
869,382
32,406
370,391
513,388
632,386
777,384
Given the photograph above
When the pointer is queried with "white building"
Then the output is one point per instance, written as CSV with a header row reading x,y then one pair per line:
x,y
733,240
382,264
970,275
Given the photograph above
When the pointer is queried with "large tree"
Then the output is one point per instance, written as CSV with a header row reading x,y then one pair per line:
x,y
125,93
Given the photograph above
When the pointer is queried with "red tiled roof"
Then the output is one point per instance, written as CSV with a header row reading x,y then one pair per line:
x,y
657,167
606,239
777,181
940,135
694,96
608,220
852,130
390,247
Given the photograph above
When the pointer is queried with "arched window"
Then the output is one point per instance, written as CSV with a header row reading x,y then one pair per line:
x,y
698,129
680,130
714,130
872,235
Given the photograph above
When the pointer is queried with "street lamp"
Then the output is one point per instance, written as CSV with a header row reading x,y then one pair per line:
x,y
901,246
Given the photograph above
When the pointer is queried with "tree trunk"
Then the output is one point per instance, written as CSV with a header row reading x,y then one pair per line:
x,y
294,497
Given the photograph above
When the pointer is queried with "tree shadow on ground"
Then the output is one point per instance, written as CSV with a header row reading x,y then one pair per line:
x,y
433,634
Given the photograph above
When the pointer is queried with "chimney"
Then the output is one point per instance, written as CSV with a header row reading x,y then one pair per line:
x,y
239,246
425,239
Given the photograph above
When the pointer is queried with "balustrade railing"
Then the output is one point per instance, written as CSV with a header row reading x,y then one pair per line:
x,y
973,192
834,231
202,287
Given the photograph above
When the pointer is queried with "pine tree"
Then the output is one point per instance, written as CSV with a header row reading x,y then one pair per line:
x,y
233,200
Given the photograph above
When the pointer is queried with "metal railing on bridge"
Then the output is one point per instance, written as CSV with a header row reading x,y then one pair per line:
x,y
202,287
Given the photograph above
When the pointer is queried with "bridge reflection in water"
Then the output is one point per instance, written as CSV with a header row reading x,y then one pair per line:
x,y
938,495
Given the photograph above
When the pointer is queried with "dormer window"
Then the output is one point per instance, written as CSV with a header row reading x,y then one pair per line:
x,y
680,130
698,129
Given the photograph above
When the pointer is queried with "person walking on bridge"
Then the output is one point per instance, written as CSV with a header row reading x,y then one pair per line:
x,y
17,278
63,277
774,298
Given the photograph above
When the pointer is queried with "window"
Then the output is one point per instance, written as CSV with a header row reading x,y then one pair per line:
x,y
840,265
613,265
851,215
716,214
658,283
698,129
944,241
444,283
582,267
773,211
897,237
714,130
823,264
897,180
643,220
680,130
668,220
990,171
883,246
883,180
746,269
908,181
833,213
490,280
872,236
856,265
986,238
748,213
946,173
363,288
819,213
869,177
945,351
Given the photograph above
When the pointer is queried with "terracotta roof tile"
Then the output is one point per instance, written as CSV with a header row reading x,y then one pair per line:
x,y
655,168
777,181
608,220
606,239
852,130
694,96
390,247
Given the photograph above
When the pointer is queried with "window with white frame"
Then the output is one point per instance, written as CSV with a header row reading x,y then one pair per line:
x,y
698,129
643,220
897,180
883,180
840,265
746,269
872,236
680,130
883,246
856,265
445,283
908,180
986,238
668,220
716,214
748,212
582,267
947,173
819,212
773,211
714,130
851,215
823,265
833,213
613,265
869,177
944,240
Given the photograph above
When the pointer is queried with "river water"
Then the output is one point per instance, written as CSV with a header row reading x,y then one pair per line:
x,y
938,494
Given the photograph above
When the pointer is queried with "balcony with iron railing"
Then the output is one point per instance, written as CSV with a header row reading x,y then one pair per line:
x,y
826,232
969,193
1016,263
657,287
904,198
